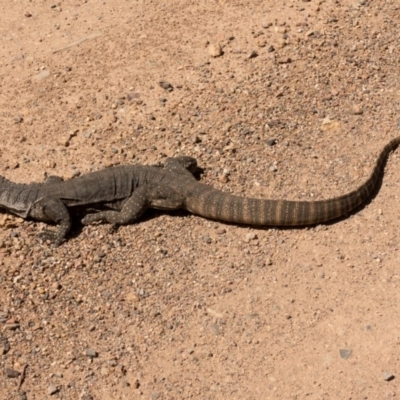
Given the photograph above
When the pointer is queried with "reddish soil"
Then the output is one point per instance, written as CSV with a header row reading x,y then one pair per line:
x,y
275,99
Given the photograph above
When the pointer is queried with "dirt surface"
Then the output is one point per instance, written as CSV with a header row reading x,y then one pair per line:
x,y
275,99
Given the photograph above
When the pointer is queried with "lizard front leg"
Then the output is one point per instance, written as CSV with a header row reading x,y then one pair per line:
x,y
52,209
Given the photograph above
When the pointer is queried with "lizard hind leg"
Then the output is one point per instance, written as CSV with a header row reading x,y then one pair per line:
x,y
131,210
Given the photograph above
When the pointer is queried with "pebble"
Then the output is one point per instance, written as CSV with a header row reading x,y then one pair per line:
x,y
215,329
224,178
388,376
166,85
52,390
91,353
56,285
215,50
130,296
280,29
345,353
10,327
356,110
253,54
42,75
284,60
125,383
12,373
28,14
273,168
207,239
271,142
250,236
195,139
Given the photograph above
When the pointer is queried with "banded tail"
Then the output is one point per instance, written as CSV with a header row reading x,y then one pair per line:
x,y
215,204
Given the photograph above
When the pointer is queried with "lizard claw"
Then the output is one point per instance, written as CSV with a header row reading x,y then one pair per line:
x,y
113,228
50,236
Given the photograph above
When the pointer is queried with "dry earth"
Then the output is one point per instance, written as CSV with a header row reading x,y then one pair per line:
x,y
275,99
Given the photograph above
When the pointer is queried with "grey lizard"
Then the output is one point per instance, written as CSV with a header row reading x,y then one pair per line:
x,y
120,195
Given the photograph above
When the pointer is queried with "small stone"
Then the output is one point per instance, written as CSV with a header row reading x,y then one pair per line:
x,y
125,383
271,49
253,54
12,373
52,390
345,353
266,25
250,236
271,142
18,119
261,43
280,29
215,50
273,168
214,329
28,14
91,353
207,239
388,376
130,296
22,395
195,139
356,109
284,60
281,42
10,327
166,85
42,75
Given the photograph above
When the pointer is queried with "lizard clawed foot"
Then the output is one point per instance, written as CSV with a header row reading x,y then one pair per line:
x,y
89,219
113,228
50,236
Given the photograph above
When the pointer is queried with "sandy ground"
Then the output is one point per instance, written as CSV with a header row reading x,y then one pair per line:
x,y
275,99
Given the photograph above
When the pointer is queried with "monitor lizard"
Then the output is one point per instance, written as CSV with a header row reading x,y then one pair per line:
x,y
121,194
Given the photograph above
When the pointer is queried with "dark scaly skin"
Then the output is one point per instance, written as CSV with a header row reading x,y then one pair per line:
x,y
120,195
